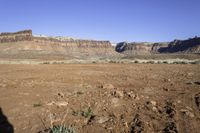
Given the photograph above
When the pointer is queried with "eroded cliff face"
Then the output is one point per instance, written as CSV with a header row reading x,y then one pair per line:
x,y
25,35
24,45
133,48
182,46
74,42
177,46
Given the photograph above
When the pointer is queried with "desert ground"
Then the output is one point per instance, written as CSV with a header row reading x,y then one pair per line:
x,y
101,98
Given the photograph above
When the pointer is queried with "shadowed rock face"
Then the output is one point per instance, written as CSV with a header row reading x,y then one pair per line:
x,y
190,45
120,47
176,46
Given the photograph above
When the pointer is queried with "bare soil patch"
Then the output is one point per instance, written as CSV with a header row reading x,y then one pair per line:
x,y
102,98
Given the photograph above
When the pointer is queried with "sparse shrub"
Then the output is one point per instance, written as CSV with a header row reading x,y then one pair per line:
x,y
136,61
151,62
79,93
37,105
175,62
112,61
165,62
183,62
94,62
46,62
195,62
62,129
88,113
159,62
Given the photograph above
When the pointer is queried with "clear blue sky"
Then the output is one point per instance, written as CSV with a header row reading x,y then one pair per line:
x,y
115,20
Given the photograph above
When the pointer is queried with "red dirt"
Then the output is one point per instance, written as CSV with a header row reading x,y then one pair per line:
x,y
122,97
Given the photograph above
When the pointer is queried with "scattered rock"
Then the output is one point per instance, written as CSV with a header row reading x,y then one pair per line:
x,y
131,94
187,112
100,86
103,119
60,103
165,89
153,103
155,109
167,80
61,94
119,94
115,102
197,100
178,101
108,86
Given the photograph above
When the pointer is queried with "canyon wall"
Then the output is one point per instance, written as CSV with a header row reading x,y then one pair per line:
x,y
73,43
24,45
25,35
191,45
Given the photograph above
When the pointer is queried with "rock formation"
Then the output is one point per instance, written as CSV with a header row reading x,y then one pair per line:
x,y
25,35
177,46
24,45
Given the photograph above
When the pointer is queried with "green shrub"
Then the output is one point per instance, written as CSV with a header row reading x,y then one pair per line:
x,y
165,62
88,113
62,129
136,61
37,105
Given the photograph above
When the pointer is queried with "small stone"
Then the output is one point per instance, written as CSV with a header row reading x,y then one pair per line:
x,y
187,112
100,86
165,89
131,94
110,128
137,97
153,103
155,109
103,119
61,103
189,108
108,86
119,94
61,94
115,102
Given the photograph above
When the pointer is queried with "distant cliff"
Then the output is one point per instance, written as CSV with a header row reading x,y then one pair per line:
x,y
182,46
73,42
191,45
27,46
25,35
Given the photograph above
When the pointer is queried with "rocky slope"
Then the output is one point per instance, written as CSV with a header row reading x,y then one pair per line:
x,y
177,46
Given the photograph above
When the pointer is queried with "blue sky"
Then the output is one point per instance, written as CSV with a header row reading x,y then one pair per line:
x,y
114,20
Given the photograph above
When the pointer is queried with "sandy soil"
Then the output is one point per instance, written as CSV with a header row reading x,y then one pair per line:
x,y
102,98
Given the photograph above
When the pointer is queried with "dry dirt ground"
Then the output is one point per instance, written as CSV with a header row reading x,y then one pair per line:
x,y
102,98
